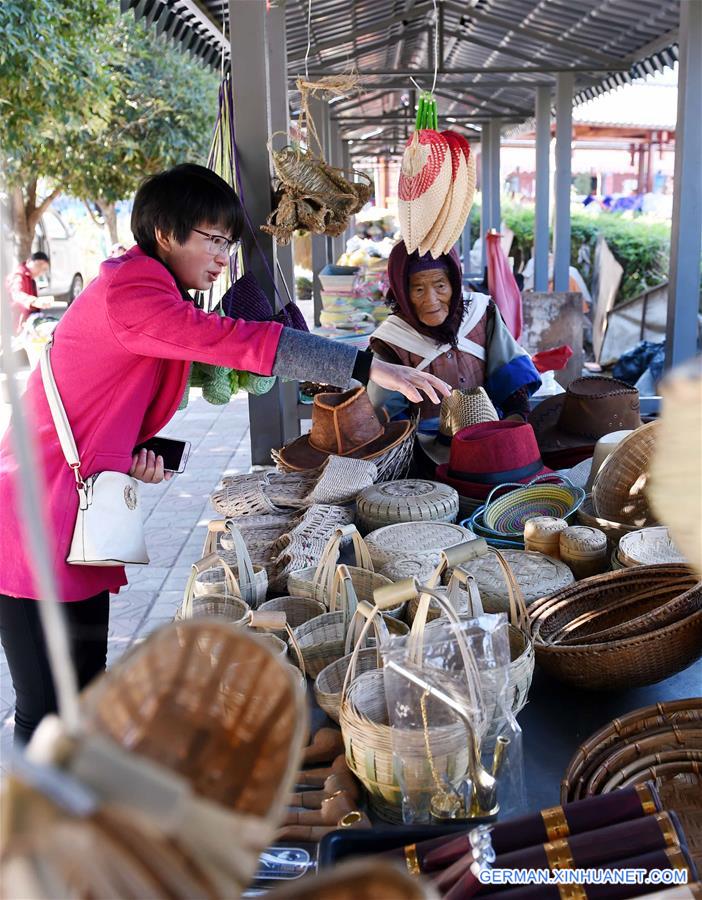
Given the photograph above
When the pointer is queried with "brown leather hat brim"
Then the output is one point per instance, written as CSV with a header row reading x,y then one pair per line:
x,y
300,455
544,420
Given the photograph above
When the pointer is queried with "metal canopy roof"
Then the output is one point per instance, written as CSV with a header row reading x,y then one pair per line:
x,y
491,53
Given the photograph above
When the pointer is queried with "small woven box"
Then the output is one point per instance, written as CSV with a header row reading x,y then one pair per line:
x,y
542,533
584,550
409,500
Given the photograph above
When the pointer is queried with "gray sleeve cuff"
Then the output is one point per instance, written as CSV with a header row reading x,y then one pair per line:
x,y
307,357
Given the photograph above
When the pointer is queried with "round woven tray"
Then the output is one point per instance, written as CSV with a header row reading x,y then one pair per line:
x,y
648,546
658,743
619,488
536,574
410,500
415,567
413,539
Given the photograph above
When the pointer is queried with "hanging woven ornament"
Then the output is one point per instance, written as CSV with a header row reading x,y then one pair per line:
x,y
468,194
436,238
425,178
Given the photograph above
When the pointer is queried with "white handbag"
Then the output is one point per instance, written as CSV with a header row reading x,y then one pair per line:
x,y
109,529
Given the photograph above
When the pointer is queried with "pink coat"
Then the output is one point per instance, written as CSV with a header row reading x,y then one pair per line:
x,y
120,358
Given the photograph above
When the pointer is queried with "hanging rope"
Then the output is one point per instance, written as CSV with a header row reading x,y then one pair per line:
x,y
332,85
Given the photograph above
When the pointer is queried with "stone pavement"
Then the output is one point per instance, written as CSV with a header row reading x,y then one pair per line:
x,y
176,514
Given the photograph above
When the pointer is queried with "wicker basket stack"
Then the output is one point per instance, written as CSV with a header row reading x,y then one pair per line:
x,y
621,629
662,744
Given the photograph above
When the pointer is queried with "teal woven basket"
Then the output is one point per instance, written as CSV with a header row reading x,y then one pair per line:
x,y
507,515
500,542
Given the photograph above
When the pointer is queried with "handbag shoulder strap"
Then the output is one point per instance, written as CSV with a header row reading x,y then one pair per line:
x,y
58,412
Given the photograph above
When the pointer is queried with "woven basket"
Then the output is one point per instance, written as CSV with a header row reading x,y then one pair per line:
x,y
232,572
647,547
409,500
317,582
323,640
413,539
264,493
586,515
656,651
329,682
368,739
536,574
542,534
658,743
584,550
477,525
506,516
619,488
298,610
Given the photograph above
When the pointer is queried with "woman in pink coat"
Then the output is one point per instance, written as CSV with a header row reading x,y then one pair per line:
x,y
120,357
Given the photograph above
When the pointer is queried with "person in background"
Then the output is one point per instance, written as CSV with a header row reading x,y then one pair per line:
x,y
461,338
22,289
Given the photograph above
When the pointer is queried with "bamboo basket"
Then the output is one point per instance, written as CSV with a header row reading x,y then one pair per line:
x,y
408,500
226,605
413,539
368,734
661,744
330,681
667,637
322,640
586,515
298,610
648,546
317,582
229,573
619,488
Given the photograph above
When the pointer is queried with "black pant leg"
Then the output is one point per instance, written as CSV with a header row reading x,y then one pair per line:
x,y
23,642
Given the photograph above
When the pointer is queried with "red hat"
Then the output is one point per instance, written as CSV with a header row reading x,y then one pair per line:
x,y
491,453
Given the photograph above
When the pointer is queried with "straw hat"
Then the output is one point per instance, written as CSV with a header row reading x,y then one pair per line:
x,y
344,425
590,408
462,409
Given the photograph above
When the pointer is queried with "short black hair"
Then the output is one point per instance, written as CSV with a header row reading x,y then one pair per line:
x,y
180,199
39,256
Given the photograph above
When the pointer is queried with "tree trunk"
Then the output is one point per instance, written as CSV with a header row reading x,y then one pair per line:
x,y
109,213
26,215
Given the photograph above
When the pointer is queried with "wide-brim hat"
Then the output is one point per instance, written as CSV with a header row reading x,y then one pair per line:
x,y
590,408
461,409
492,453
344,425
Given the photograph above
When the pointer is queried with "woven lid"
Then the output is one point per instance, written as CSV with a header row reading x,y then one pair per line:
x,y
420,568
544,528
537,575
583,539
649,546
408,500
414,539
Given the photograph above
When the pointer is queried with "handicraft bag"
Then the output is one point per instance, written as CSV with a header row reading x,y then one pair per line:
x,y
109,529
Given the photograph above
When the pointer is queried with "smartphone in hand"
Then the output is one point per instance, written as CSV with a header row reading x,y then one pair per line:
x,y
175,453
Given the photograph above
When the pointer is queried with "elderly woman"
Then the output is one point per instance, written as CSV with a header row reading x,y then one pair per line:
x,y
461,338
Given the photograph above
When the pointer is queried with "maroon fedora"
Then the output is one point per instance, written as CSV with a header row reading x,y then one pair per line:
x,y
589,409
491,453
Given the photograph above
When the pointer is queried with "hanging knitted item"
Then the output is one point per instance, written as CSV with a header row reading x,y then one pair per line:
x,y
256,384
216,387
245,300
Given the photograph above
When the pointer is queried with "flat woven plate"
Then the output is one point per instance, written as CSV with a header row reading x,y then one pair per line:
x,y
647,547
414,539
508,514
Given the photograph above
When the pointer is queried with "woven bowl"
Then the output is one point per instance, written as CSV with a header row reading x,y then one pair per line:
x,y
507,515
586,515
648,546
619,488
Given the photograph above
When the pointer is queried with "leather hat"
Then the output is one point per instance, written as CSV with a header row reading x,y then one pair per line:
x,y
343,425
462,409
491,453
590,408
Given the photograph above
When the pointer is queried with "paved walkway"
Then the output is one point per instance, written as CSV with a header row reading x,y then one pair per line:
x,y
176,513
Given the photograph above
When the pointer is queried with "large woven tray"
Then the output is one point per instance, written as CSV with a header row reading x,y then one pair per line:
x,y
413,539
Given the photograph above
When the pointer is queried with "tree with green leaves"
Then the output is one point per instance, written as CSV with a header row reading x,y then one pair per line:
x,y
90,103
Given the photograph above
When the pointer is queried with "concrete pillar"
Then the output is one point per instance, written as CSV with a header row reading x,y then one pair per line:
x,y
543,145
565,82
495,180
686,232
321,246
485,188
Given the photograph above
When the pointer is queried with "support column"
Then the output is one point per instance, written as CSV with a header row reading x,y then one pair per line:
x,y
278,115
346,166
321,246
565,82
485,187
251,94
335,159
495,180
543,145
686,232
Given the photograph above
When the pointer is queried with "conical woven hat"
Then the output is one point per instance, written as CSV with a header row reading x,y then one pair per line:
x,y
463,408
425,179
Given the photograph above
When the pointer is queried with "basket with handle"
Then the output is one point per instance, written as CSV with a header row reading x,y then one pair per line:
x,y
235,573
506,516
413,539
317,582
226,605
449,559
298,610
322,640
368,734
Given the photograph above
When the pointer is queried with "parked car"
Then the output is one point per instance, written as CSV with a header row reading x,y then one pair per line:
x,y
55,238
